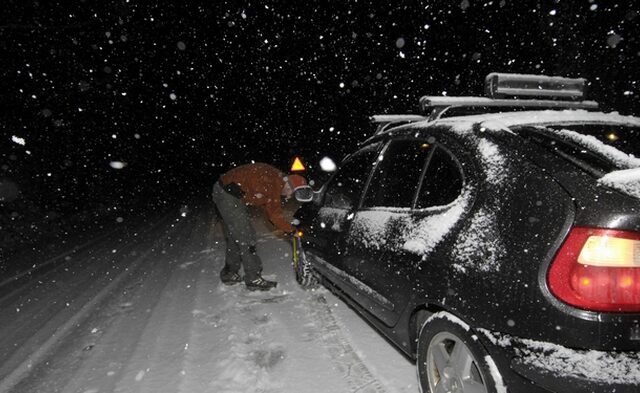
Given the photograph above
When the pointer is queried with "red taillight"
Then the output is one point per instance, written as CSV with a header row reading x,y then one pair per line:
x,y
598,270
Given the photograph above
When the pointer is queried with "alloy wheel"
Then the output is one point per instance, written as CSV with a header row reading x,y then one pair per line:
x,y
451,367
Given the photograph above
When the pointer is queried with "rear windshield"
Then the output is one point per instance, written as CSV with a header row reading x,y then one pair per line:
x,y
602,148
625,139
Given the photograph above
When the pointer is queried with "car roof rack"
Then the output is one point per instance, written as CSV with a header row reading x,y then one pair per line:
x,y
503,93
384,122
436,106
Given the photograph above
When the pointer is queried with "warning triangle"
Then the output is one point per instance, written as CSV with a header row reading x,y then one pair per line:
x,y
297,165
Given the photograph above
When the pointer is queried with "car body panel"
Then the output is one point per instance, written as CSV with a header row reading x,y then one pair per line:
x,y
490,263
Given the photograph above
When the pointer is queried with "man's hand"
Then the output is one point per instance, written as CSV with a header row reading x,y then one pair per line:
x,y
288,234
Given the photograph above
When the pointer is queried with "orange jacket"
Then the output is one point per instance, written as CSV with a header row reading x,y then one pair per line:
x,y
262,186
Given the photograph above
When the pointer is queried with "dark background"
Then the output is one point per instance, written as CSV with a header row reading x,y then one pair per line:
x,y
182,91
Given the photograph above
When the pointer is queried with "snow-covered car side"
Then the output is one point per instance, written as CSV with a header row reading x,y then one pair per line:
x,y
498,249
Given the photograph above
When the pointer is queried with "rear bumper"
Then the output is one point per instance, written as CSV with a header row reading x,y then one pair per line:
x,y
535,366
550,382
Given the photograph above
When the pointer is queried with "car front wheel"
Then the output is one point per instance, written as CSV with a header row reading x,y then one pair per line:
x,y
450,359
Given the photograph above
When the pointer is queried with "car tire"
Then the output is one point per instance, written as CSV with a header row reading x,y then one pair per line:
x,y
450,358
305,275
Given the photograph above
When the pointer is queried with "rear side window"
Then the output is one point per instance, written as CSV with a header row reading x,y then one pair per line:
x,y
396,178
345,188
442,181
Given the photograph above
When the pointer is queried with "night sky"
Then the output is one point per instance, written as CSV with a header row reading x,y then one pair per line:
x,y
130,105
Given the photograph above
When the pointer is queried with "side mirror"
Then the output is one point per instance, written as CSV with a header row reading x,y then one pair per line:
x,y
303,194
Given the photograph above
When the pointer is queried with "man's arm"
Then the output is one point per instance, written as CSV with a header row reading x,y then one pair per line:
x,y
276,216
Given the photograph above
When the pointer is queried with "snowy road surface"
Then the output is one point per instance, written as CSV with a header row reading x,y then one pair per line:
x,y
143,311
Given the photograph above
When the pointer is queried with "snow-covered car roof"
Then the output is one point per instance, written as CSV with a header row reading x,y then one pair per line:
x,y
544,117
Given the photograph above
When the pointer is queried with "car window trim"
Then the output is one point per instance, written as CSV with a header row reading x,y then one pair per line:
x,y
371,173
412,208
347,158
456,161
427,161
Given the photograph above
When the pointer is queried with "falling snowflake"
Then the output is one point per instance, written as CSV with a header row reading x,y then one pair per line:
x,y
18,140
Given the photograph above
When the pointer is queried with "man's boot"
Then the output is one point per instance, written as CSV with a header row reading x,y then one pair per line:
x,y
260,284
230,278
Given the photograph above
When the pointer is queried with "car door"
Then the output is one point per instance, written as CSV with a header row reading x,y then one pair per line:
x,y
414,185
342,194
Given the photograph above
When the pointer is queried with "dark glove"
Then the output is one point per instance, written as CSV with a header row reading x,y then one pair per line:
x,y
235,190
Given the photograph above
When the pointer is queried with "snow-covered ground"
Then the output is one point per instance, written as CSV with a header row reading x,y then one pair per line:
x,y
144,311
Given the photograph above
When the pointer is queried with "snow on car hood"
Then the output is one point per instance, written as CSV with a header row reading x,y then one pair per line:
x,y
626,181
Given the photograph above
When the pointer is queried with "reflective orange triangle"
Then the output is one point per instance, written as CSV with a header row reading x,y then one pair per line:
x,y
297,165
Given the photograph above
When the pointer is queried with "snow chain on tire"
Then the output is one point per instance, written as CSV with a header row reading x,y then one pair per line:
x,y
302,267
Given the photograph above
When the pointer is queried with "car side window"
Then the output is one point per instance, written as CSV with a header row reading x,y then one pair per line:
x,y
345,188
396,178
443,181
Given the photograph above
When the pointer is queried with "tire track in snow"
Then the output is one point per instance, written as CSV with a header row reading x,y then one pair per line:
x,y
25,367
36,357
105,358
358,376
49,267
56,259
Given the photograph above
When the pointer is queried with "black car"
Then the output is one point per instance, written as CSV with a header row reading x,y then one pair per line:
x,y
496,240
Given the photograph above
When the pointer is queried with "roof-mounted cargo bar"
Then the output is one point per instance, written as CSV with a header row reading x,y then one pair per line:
x,y
384,122
437,106
503,92
499,85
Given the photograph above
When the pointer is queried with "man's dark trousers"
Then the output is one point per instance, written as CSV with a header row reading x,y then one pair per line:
x,y
239,233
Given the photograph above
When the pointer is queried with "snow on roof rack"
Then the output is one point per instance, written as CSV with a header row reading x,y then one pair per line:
x,y
557,92
436,106
384,122
499,85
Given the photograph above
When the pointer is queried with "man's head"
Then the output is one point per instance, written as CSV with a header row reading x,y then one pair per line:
x,y
291,182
